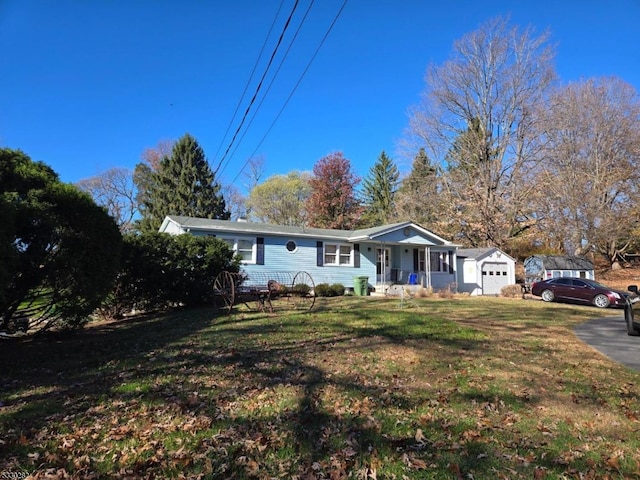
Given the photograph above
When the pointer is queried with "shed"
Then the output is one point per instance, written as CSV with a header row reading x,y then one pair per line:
x,y
484,271
542,267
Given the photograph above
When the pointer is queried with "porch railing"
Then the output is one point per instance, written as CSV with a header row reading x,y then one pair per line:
x,y
408,277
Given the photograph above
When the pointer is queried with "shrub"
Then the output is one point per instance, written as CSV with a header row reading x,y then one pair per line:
x,y
301,289
322,290
59,250
159,271
326,290
424,292
511,291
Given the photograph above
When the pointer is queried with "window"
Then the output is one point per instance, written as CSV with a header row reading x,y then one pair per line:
x,y
291,246
335,254
439,261
244,247
245,250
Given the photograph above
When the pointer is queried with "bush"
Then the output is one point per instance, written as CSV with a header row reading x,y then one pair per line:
x,y
301,289
326,290
59,250
424,292
511,291
322,290
159,271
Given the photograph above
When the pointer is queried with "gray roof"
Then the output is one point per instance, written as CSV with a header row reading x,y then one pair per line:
x,y
565,262
474,252
207,224
478,253
267,228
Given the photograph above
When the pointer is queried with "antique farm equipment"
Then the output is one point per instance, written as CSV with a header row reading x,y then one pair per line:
x,y
267,290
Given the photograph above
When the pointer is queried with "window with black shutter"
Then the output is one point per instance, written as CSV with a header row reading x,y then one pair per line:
x,y
319,254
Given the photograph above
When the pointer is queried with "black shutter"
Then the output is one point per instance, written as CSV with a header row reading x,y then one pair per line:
x,y
416,267
451,261
260,250
319,254
356,255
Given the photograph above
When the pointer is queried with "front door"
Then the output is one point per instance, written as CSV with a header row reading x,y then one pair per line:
x,y
383,269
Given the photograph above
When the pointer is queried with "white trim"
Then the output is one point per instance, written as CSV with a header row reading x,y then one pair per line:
x,y
338,254
235,240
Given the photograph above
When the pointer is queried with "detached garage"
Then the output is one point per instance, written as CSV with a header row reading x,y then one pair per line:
x,y
484,271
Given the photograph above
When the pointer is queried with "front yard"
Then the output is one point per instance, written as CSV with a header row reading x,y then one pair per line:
x,y
357,388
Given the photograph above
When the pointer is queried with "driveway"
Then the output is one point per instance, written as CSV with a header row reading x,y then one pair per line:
x,y
609,336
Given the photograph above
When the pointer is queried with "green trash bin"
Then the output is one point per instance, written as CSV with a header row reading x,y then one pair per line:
x,y
361,286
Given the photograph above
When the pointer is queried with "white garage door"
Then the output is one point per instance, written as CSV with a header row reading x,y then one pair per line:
x,y
494,277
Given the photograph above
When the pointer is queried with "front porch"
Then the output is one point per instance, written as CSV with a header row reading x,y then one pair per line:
x,y
403,268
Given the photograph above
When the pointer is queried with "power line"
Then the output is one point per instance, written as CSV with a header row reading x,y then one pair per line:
x,y
246,113
255,66
255,112
344,4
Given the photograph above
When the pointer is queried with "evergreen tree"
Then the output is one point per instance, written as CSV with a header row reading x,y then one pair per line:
x,y
183,184
417,198
379,191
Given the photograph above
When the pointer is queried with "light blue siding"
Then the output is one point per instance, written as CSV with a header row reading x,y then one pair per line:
x,y
278,259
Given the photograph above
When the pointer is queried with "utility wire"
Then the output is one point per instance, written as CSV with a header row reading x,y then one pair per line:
x,y
344,4
246,113
246,87
255,112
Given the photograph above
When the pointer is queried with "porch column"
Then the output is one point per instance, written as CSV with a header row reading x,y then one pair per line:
x,y
383,259
427,265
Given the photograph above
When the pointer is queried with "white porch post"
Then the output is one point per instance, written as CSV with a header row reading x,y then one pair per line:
x,y
383,259
455,269
427,265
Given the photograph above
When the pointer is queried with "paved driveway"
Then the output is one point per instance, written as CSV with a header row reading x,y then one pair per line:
x,y
609,336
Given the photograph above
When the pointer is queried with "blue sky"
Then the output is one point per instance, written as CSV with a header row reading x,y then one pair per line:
x,y
88,85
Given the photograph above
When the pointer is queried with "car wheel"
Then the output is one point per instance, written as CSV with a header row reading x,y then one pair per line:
x,y
547,296
628,319
601,301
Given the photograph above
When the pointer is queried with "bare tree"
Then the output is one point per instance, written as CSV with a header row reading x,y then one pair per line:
x,y
236,202
152,156
591,178
114,189
476,120
254,173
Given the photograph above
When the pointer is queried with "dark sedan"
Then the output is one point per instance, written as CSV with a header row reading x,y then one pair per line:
x,y
567,289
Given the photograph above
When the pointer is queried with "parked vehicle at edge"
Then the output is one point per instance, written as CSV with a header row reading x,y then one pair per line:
x,y
632,311
579,290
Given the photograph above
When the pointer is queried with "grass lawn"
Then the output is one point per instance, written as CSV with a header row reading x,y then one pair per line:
x,y
464,388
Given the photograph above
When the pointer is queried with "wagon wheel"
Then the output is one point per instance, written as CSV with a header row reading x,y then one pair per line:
x,y
224,289
302,293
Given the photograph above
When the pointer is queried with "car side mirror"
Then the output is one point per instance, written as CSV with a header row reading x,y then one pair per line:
x,y
633,288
